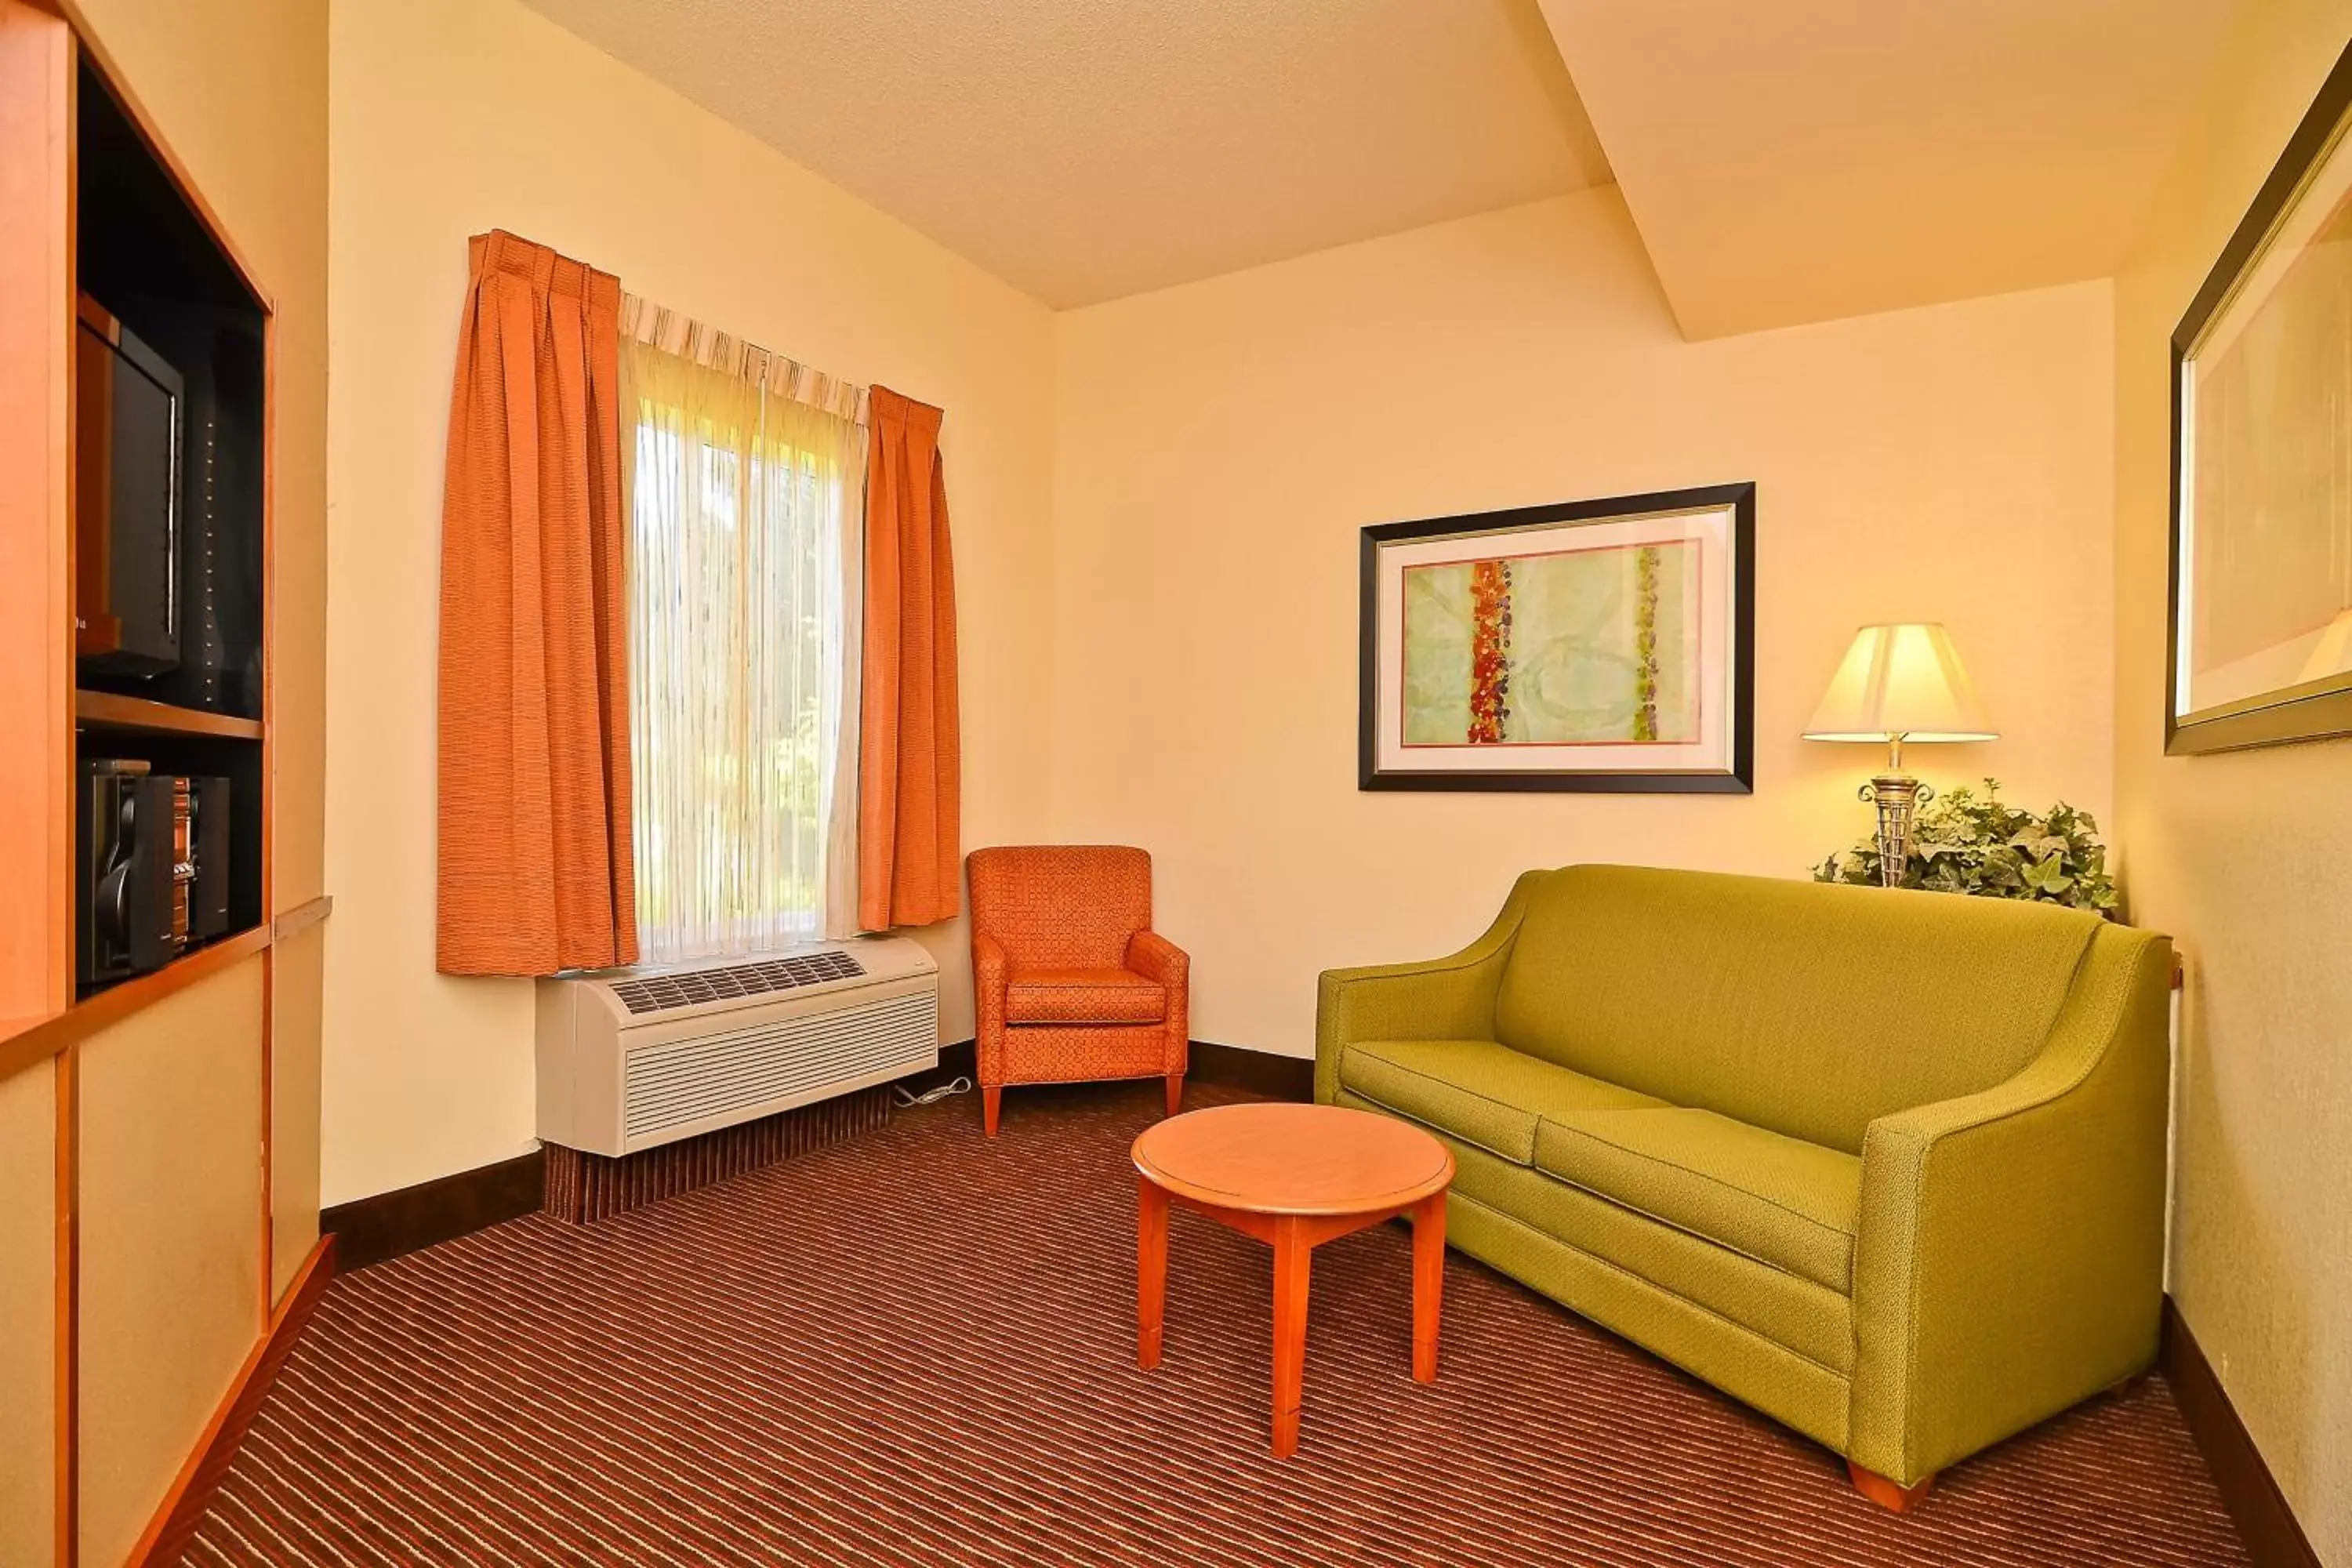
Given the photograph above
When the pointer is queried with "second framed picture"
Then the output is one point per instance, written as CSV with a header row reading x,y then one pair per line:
x,y
1590,645
2261,471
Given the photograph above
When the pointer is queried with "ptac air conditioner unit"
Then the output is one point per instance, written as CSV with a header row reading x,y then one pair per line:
x,y
629,1058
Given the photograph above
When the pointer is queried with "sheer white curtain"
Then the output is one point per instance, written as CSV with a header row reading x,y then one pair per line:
x,y
743,592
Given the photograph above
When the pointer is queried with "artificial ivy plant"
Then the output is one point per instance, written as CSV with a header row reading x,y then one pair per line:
x,y
1962,842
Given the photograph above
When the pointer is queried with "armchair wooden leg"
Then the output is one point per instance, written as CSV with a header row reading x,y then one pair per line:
x,y
1175,1092
1886,1494
992,1104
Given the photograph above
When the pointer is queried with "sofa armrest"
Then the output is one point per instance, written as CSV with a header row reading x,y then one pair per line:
x,y
1154,957
2010,1254
1442,999
990,971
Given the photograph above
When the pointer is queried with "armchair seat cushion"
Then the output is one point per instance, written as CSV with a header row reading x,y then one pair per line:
x,y
1785,1203
1477,1091
1083,995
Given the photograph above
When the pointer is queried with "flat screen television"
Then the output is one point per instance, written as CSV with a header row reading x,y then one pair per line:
x,y
130,418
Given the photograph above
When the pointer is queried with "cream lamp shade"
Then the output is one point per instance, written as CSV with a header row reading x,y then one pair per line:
x,y
1901,682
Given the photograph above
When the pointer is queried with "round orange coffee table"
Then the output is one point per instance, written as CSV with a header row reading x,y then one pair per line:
x,y
1294,1176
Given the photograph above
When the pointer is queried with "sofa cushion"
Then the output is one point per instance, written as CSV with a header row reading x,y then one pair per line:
x,y
1780,1201
1480,1092
1083,997
1808,1320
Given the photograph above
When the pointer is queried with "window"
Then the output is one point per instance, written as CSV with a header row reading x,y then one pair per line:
x,y
743,553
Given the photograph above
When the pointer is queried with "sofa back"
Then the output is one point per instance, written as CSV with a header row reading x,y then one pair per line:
x,y
1806,1008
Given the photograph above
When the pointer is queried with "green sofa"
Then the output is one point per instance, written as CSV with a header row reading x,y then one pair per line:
x,y
1888,1166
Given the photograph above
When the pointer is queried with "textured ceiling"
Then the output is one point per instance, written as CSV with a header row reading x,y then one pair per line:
x,y
1798,160
1083,150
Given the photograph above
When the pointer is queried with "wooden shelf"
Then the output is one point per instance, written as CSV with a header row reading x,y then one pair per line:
x,y
39,1039
24,1041
106,710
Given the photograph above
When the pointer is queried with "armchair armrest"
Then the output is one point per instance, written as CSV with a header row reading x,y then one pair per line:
x,y
2010,1253
990,969
1154,957
1440,999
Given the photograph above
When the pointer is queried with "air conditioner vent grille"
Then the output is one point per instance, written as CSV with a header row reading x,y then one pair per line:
x,y
659,992
782,1062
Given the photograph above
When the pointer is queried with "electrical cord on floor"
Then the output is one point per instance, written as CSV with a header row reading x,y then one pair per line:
x,y
908,1100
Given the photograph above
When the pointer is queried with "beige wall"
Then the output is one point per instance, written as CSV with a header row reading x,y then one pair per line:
x,y
2246,859
1220,445
239,90
171,1289
29,1278
454,116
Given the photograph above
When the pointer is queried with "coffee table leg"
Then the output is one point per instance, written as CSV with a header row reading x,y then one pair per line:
x,y
1150,1269
1293,1253
1428,1282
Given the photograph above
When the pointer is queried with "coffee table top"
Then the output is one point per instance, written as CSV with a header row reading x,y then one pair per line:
x,y
1288,1159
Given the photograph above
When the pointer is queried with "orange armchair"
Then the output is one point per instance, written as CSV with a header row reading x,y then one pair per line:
x,y
1070,981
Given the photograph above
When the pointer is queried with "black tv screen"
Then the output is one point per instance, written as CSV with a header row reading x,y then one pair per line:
x,y
128,528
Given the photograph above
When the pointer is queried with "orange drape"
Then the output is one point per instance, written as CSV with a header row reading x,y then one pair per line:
x,y
536,869
910,767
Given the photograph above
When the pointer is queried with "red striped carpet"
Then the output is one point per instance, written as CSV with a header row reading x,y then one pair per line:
x,y
917,1347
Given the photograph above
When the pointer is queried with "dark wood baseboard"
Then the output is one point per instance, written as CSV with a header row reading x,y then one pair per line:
x,y
1261,1072
1237,1067
370,1230
182,1509
2267,1525
958,1058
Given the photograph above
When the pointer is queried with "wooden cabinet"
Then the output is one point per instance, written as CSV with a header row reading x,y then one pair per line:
x,y
141,1231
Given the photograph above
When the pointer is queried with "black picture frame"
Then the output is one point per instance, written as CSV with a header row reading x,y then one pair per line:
x,y
2316,709
1738,778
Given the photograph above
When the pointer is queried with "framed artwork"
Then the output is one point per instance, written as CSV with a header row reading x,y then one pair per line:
x,y
2260,638
1593,645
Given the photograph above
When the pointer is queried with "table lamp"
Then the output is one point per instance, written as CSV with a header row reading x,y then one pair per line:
x,y
1899,682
